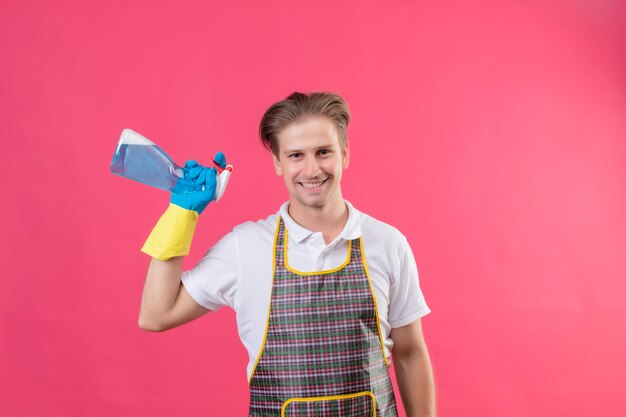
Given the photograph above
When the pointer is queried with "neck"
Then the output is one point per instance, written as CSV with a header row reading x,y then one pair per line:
x,y
329,219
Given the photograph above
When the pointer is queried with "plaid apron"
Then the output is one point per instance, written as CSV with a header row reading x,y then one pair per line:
x,y
322,354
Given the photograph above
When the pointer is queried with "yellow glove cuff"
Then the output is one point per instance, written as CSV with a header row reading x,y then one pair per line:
x,y
173,234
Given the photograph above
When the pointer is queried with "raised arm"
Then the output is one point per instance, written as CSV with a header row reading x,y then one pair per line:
x,y
165,302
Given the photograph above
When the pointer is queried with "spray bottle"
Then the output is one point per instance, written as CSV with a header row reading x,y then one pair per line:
x,y
139,159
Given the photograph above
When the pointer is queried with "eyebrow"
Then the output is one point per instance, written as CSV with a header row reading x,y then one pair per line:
x,y
287,151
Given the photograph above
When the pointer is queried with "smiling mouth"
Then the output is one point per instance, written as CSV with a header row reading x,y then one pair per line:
x,y
312,185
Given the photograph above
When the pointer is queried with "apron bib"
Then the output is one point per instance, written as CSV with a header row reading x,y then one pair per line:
x,y
322,354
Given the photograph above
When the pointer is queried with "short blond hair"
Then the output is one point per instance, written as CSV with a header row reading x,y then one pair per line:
x,y
299,107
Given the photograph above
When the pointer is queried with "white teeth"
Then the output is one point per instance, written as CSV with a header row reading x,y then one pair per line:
x,y
311,184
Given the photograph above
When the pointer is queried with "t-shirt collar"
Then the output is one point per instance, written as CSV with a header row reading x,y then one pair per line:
x,y
351,230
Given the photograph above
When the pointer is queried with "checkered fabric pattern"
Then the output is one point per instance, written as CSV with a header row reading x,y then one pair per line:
x,y
361,405
322,341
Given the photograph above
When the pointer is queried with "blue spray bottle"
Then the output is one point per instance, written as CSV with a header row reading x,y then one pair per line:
x,y
139,159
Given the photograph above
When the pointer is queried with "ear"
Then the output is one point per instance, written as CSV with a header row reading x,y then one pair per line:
x,y
277,166
345,156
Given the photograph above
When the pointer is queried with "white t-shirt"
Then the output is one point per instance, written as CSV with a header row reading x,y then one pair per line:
x,y
237,272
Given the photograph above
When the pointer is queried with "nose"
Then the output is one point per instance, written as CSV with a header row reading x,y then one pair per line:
x,y
312,167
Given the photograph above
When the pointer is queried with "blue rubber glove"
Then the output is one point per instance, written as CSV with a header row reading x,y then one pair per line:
x,y
197,187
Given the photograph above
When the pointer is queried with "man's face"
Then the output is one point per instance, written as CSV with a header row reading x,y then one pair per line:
x,y
311,160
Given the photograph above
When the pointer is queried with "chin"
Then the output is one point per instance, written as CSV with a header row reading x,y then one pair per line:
x,y
312,202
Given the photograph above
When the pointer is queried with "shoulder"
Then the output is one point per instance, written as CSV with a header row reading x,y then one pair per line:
x,y
385,249
246,240
384,245
252,230
374,229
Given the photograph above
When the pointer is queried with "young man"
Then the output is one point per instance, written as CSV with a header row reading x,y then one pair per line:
x,y
322,292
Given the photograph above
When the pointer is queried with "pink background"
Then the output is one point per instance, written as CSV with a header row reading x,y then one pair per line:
x,y
492,134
